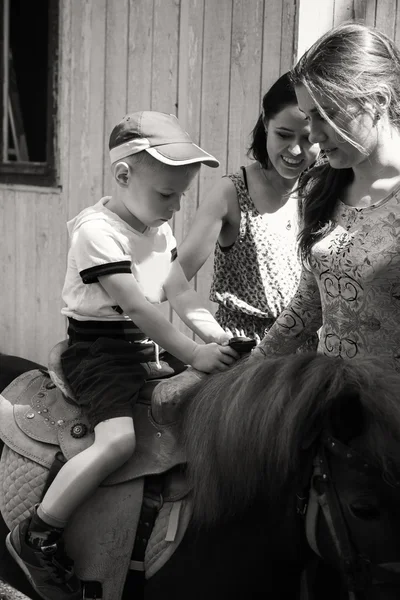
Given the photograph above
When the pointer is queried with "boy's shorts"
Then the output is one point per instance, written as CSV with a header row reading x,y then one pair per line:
x,y
107,375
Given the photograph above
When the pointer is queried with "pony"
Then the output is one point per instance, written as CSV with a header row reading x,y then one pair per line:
x,y
293,464
325,431
204,560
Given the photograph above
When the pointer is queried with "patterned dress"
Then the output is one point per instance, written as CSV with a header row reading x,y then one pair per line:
x,y
256,277
352,289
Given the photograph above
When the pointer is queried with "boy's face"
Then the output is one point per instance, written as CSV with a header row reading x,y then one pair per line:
x,y
154,192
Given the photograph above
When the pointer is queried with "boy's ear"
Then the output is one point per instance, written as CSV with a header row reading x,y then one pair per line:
x,y
122,173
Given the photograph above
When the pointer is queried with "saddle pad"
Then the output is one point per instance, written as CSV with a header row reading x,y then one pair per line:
x,y
35,420
99,536
161,544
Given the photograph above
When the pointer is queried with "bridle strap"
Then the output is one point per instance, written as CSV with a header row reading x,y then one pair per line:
x,y
311,521
355,460
355,568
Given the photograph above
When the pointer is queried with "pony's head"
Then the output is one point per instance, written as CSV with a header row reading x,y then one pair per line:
x,y
252,432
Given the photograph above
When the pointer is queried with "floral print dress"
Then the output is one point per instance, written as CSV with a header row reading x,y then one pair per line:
x,y
352,288
256,277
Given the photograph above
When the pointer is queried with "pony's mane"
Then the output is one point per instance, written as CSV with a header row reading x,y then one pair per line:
x,y
246,429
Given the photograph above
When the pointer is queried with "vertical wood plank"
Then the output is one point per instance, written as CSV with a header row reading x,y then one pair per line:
x,y
289,35
191,20
272,38
214,109
9,272
50,258
40,268
397,25
140,52
245,80
343,11
164,93
189,96
26,298
164,82
370,12
321,19
116,72
360,10
88,30
64,96
385,17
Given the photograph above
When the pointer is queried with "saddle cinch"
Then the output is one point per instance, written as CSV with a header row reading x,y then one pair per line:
x,y
39,421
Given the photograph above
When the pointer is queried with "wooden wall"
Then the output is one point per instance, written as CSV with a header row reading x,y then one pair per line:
x,y
208,61
315,19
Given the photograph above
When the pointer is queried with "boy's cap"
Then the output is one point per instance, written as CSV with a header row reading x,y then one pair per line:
x,y
161,135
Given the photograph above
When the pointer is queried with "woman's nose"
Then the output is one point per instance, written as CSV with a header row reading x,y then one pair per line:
x,y
295,149
316,135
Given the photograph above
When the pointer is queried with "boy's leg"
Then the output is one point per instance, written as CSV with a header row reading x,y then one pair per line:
x,y
114,444
109,381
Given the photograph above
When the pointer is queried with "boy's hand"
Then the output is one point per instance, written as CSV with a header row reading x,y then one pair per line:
x,y
212,358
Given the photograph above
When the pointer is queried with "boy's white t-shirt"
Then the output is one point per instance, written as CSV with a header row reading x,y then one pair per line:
x,y
103,244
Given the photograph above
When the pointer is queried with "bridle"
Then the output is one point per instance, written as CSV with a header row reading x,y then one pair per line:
x,y
358,571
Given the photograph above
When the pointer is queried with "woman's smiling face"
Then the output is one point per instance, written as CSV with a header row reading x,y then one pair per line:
x,y
288,147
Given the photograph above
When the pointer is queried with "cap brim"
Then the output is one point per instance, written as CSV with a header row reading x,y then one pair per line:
x,y
182,154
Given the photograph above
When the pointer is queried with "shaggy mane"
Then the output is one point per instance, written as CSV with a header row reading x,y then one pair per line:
x,y
245,430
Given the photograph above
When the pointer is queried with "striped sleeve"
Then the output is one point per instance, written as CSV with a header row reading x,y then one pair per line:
x,y
92,274
98,251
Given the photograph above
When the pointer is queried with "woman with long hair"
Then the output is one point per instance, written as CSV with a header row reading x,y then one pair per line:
x,y
348,87
250,218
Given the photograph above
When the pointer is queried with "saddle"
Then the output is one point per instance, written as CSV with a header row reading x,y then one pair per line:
x,y
40,422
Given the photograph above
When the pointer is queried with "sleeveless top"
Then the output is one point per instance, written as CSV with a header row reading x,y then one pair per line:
x,y
257,276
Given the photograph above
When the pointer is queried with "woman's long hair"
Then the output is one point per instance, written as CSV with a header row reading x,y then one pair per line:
x,y
350,64
244,430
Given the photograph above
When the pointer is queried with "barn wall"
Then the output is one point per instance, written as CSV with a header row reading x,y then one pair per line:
x,y
206,61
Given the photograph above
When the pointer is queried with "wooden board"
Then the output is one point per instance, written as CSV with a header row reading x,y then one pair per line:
x,y
116,76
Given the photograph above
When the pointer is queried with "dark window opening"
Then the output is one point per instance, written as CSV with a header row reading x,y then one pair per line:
x,y
29,43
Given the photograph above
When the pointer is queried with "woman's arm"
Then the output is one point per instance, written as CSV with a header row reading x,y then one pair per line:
x,y
300,319
211,216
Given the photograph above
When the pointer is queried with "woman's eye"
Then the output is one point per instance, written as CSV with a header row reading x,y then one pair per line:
x,y
329,114
285,136
165,195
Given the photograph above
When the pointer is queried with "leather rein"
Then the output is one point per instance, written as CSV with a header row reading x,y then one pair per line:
x,y
359,572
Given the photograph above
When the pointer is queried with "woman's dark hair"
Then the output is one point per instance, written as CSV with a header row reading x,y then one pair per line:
x,y
280,95
351,64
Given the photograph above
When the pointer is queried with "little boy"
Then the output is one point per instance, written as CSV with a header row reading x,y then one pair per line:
x,y
120,265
